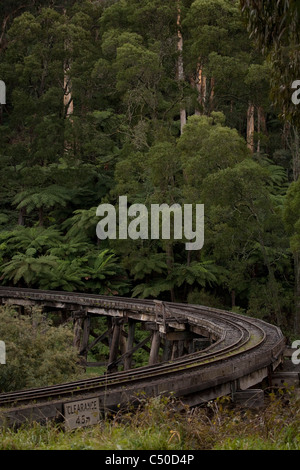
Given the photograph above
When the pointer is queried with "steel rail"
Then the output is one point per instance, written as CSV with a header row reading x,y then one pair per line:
x,y
121,377
237,337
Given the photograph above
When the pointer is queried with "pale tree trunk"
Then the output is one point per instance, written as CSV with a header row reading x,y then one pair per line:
x,y
261,126
250,127
68,107
68,104
180,69
201,86
201,89
212,94
205,90
68,99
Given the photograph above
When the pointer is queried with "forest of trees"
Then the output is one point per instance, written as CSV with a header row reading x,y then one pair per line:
x,y
169,101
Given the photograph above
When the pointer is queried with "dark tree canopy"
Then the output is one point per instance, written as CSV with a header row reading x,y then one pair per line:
x,y
163,102
274,26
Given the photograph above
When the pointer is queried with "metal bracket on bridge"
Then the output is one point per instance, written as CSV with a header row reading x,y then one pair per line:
x,y
160,315
76,314
165,318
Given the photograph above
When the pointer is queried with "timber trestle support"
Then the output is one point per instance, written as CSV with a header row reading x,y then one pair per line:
x,y
124,332
195,352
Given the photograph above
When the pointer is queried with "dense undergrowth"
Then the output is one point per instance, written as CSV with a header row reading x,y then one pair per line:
x,y
158,425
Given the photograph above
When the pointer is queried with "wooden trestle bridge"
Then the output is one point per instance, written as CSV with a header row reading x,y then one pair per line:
x,y
196,353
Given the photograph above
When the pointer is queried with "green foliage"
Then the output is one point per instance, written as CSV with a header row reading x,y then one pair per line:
x,y
205,147
107,277
25,266
152,288
156,424
38,354
196,273
274,26
119,134
34,238
45,197
117,62
292,215
47,259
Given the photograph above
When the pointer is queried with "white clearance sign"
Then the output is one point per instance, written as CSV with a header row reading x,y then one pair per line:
x,y
81,413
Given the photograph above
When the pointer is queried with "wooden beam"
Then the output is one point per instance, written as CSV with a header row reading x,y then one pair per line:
x,y
128,353
180,348
85,336
130,342
167,350
77,332
123,342
99,338
114,347
146,348
179,335
149,325
154,353
174,350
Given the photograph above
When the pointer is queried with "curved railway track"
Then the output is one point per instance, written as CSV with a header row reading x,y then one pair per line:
x,y
245,351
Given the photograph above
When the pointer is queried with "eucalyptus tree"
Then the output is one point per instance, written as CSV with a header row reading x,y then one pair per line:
x,y
292,224
220,61
246,234
275,27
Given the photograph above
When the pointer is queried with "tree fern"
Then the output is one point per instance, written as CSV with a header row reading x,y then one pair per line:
x,y
151,289
143,264
66,275
35,198
70,248
197,273
28,269
83,221
40,238
107,276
